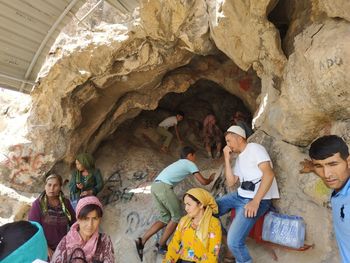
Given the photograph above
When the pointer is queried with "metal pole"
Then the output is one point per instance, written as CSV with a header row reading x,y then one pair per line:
x,y
90,11
48,35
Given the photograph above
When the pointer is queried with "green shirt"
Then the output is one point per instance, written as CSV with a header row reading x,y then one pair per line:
x,y
93,181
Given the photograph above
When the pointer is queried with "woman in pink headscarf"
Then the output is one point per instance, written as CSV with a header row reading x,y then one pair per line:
x,y
84,243
211,135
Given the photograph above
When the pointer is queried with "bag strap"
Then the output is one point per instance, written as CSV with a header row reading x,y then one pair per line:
x,y
257,182
82,258
99,248
253,180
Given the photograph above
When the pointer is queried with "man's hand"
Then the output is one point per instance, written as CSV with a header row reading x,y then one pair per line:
x,y
212,177
307,165
227,151
251,209
80,186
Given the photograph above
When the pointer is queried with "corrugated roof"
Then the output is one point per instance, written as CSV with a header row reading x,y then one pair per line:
x,y
28,29
125,6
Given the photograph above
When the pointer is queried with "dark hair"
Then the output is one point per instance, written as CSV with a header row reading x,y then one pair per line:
x,y
192,197
14,235
89,208
186,151
180,113
54,176
326,146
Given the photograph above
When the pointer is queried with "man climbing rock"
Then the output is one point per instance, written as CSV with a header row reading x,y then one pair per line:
x,y
163,130
168,205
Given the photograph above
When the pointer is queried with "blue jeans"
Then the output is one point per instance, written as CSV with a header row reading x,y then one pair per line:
x,y
241,225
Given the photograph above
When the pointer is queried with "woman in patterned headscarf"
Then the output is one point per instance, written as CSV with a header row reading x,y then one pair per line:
x,y
86,179
53,212
198,234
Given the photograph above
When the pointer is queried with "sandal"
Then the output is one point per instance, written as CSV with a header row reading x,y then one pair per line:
x,y
162,249
139,247
229,260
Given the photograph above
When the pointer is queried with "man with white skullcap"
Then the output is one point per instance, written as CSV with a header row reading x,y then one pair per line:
x,y
253,169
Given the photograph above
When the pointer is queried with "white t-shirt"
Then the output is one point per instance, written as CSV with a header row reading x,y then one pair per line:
x,y
168,122
247,169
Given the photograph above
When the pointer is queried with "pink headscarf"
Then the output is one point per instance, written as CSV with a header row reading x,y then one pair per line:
x,y
73,237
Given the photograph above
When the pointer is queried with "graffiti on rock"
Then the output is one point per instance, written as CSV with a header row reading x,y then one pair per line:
x,y
114,190
117,190
330,62
135,221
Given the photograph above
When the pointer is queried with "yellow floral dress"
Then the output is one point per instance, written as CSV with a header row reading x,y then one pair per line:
x,y
186,245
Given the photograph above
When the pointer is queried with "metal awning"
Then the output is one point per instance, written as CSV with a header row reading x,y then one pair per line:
x,y
28,29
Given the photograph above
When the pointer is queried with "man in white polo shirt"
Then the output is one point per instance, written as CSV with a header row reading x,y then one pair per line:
x,y
253,169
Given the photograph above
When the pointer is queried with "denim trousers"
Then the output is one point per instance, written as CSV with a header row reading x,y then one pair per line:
x,y
241,225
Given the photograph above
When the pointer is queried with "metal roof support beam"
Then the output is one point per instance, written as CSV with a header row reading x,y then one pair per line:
x,y
121,3
16,79
43,43
89,12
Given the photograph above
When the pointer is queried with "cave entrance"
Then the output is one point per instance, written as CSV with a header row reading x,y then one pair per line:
x,y
202,98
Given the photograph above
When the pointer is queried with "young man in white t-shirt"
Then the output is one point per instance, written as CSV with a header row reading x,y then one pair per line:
x,y
163,130
253,169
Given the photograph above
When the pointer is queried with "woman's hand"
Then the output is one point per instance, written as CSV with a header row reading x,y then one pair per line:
x,y
49,252
80,186
86,193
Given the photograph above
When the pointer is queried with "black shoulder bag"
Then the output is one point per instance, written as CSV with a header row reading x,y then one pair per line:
x,y
78,254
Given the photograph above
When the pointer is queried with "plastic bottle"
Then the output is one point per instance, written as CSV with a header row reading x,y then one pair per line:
x,y
284,230
266,227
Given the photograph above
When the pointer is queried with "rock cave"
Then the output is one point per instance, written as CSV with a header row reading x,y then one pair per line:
x,y
105,88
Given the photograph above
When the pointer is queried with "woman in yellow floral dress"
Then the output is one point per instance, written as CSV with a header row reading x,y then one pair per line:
x,y
198,235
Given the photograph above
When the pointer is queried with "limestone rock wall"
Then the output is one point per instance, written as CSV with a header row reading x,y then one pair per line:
x,y
242,31
315,86
295,84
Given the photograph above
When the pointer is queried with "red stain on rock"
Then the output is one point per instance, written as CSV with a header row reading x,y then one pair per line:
x,y
245,84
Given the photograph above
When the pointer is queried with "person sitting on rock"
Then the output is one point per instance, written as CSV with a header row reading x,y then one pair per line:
x,y
239,119
198,235
253,169
163,130
22,242
211,135
168,205
330,160
84,243
86,179
53,212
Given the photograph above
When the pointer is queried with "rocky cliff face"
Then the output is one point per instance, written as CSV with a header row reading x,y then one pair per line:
x,y
286,61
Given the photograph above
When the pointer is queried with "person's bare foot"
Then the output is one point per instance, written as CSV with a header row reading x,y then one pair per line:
x,y
164,149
